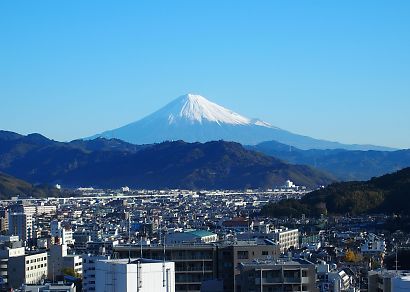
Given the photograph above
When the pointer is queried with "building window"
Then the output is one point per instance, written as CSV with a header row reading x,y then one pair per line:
x,y
243,254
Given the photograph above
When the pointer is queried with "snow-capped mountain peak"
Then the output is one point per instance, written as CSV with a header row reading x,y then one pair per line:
x,y
197,109
193,118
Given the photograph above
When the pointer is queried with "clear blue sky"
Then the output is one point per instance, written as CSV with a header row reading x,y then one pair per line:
x,y
337,70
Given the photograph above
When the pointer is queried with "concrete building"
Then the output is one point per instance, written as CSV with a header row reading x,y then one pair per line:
x,y
89,271
21,224
62,234
49,288
191,236
23,208
331,279
4,220
140,275
45,209
30,268
388,281
374,245
8,250
293,275
59,259
286,238
196,263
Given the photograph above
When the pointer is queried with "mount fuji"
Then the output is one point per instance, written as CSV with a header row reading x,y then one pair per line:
x,y
193,118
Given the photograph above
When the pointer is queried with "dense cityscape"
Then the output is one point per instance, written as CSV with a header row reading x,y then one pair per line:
x,y
180,240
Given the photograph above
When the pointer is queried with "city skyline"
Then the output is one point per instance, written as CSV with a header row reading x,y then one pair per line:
x,y
335,71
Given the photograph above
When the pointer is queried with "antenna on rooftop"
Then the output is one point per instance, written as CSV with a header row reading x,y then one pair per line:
x,y
163,262
129,237
396,260
141,245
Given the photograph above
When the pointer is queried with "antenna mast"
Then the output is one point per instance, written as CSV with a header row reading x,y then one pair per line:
x,y
163,262
129,237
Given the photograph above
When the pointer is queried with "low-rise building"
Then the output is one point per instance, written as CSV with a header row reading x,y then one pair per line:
x,y
135,275
286,238
388,281
287,275
191,236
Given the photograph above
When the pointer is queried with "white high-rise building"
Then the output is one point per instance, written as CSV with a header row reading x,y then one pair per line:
x,y
140,275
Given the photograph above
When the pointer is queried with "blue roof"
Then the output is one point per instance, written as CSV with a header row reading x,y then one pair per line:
x,y
201,233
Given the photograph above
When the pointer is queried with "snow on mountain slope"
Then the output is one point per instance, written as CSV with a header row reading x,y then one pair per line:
x,y
193,118
197,109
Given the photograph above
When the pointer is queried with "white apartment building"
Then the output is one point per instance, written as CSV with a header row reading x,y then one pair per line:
x,y
286,238
27,269
140,275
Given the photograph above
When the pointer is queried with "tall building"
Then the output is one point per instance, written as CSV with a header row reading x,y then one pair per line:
x,y
21,224
23,208
140,275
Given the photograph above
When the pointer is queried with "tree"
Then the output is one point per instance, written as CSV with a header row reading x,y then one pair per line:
x,y
352,257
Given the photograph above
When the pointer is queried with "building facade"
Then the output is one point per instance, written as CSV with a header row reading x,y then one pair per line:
x,y
139,275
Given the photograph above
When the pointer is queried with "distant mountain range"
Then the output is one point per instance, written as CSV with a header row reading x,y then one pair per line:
x,y
193,118
343,164
385,194
113,163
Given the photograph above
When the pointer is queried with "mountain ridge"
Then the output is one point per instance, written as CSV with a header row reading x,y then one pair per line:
x,y
178,164
346,165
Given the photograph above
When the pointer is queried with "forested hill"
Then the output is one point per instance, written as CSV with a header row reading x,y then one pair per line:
x,y
386,194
